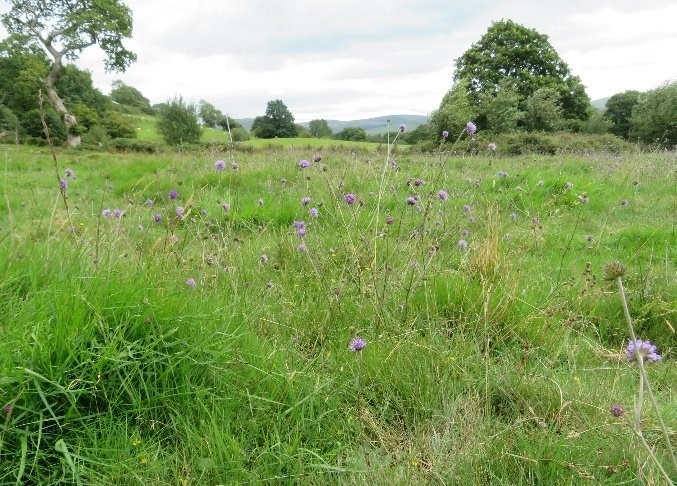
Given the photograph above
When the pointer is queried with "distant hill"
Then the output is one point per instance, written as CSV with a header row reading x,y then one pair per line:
x,y
373,126
600,103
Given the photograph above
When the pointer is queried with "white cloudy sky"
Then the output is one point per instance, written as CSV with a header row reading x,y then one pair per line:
x,y
352,59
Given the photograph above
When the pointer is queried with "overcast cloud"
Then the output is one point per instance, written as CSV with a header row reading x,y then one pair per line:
x,y
359,58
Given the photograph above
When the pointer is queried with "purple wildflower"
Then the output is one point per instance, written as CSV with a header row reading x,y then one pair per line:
x,y
314,212
69,173
299,224
403,128
158,218
419,182
180,211
117,213
464,233
443,195
445,134
357,345
304,164
617,410
191,283
467,208
301,232
645,348
305,201
462,245
302,247
173,194
220,165
492,147
390,219
350,198
470,128
106,213
63,184
149,202
411,200
226,206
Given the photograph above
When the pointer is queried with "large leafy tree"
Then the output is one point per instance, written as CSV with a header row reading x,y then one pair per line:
x,y
523,59
277,122
654,118
65,28
319,128
619,110
131,98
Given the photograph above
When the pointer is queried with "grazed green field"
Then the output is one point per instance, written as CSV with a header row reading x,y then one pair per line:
x,y
212,348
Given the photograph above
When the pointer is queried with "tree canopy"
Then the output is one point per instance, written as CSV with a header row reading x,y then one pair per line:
x,y
619,110
277,122
319,128
510,54
65,28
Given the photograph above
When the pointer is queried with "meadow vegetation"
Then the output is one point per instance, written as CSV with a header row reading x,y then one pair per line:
x,y
192,317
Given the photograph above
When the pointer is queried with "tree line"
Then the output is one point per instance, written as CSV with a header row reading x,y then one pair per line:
x,y
511,80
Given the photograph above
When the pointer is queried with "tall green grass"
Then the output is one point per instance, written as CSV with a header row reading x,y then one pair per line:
x,y
492,365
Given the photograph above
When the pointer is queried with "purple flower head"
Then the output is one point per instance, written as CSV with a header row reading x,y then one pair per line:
x,y
314,212
492,147
173,194
470,128
305,201
69,172
617,410
158,218
302,247
443,195
220,165
149,202
403,128
462,245
357,345
63,184
465,233
419,182
645,348
445,134
226,206
106,213
299,224
411,201
191,283
467,208
301,232
180,211
117,213
471,219
390,219
350,198
304,164
8,408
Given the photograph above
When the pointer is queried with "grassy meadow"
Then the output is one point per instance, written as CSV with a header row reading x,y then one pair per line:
x,y
205,338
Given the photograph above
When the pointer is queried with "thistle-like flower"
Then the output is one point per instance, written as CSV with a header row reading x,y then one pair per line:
x,y
357,344
645,348
614,270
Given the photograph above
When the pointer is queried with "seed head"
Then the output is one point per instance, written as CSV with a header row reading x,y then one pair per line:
x,y
614,270
617,410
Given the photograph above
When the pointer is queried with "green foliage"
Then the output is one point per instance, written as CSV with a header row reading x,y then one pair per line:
x,y
355,134
8,120
278,122
514,55
319,128
76,25
75,87
86,116
134,145
209,114
421,133
227,122
454,112
501,109
302,132
654,117
31,124
131,97
619,110
118,125
23,66
541,111
178,122
239,134
597,122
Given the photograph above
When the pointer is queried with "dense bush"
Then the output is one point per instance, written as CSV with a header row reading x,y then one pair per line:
x,y
654,117
178,122
8,120
31,124
119,126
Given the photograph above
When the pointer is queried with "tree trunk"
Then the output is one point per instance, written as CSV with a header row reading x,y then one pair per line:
x,y
68,118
